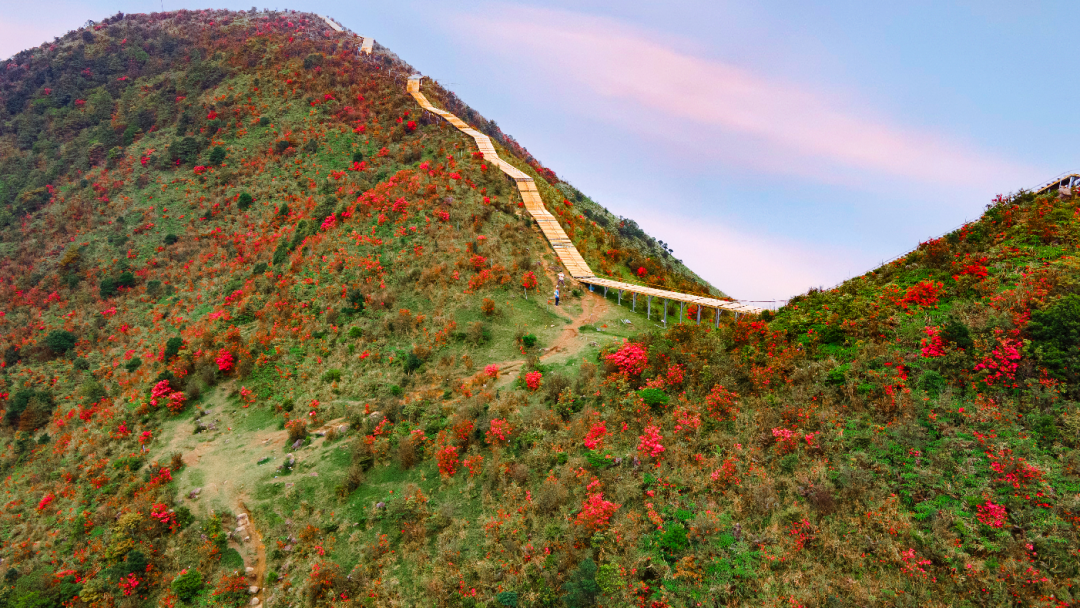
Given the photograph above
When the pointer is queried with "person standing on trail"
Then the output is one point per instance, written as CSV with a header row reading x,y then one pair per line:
x,y
556,296
561,279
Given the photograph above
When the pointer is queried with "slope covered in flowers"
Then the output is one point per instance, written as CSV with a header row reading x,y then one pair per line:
x,y
256,312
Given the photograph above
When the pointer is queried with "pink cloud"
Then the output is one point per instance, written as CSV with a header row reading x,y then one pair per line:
x,y
787,122
750,266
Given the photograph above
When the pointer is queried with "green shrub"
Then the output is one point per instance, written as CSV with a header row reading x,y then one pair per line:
x,y
653,396
187,585
217,156
599,460
110,286
1055,335
280,254
172,347
38,404
507,598
932,382
673,541
837,376
186,150
355,332
265,120
412,363
357,156
957,332
133,364
170,239
528,340
332,375
581,589
244,201
60,341
354,302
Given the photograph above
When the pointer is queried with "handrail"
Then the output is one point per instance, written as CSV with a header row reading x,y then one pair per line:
x,y
552,229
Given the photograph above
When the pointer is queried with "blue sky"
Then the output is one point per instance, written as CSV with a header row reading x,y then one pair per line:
x,y
776,146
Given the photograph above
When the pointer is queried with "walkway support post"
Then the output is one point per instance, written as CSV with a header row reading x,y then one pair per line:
x,y
648,308
633,306
717,318
682,314
699,314
620,297
665,314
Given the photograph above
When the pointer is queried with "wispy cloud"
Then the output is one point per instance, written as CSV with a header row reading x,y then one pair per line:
x,y
787,122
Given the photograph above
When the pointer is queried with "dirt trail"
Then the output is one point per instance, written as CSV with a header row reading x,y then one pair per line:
x,y
223,482
258,577
592,309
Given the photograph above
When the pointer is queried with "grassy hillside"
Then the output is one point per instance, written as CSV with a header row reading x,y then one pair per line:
x,y
261,313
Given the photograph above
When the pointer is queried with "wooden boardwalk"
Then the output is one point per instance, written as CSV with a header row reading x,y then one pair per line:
x,y
366,44
564,248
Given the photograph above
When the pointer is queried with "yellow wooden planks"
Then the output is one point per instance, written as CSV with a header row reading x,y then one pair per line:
x,y
331,23
551,228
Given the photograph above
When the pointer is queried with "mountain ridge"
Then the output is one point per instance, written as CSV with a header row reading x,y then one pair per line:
x,y
259,311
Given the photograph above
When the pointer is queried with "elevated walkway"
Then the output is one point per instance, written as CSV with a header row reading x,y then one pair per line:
x,y
366,44
560,242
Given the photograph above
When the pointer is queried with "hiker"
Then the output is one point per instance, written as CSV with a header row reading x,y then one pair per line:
x,y
561,279
556,296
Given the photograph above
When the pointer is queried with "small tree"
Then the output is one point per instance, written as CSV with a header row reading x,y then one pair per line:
x,y
172,348
245,200
528,282
187,585
60,341
217,156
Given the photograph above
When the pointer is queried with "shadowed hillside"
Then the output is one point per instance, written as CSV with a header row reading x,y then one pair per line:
x,y
271,334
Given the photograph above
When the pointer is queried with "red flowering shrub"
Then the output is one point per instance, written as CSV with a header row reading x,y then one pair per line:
x,y
649,445
924,293
933,345
727,473
164,515
129,584
630,359
977,269
499,432
532,380
1001,364
992,515
224,360
231,590
720,403
675,375
492,370
447,459
528,281
596,512
595,437
45,501
475,464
